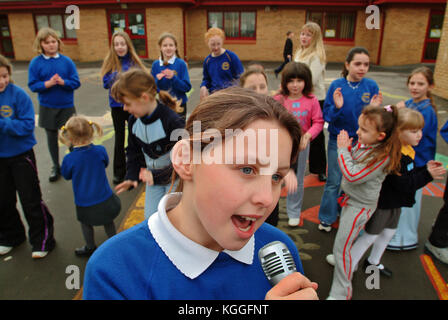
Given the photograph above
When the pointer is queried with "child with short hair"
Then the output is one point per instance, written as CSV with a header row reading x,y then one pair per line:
x,y
398,190
420,83
171,72
120,58
202,243
150,126
222,67
364,167
296,96
18,172
85,165
55,78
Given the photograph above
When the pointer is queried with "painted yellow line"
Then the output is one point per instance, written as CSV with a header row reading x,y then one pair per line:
x,y
393,96
434,276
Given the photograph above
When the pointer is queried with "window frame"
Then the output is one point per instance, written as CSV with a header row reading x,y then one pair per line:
x,y
63,16
338,27
239,11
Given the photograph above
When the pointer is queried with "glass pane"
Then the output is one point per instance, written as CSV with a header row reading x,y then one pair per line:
x,y
248,24
315,17
7,45
56,25
140,46
435,26
231,23
136,24
347,26
41,22
117,22
431,50
215,20
331,24
69,33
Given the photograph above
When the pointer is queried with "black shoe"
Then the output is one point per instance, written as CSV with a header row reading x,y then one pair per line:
x,y
118,180
276,74
322,177
55,174
383,270
84,251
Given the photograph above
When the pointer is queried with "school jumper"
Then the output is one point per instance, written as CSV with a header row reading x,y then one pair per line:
x,y
149,144
356,97
56,104
119,118
18,173
222,71
361,184
406,237
153,260
178,85
307,112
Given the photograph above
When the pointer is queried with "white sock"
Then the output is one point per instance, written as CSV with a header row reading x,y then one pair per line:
x,y
380,245
360,247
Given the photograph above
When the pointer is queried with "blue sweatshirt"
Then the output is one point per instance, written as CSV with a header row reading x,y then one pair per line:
x,y
86,167
354,101
110,77
42,69
221,72
16,122
426,149
179,84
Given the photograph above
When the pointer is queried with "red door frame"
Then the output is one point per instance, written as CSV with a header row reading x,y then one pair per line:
x,y
127,30
6,54
427,39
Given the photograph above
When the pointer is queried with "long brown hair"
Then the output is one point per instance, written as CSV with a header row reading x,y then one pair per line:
x,y
133,83
236,108
429,76
297,70
112,63
385,120
162,37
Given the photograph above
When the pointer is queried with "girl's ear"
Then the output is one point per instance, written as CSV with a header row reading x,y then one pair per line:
x,y
181,159
381,136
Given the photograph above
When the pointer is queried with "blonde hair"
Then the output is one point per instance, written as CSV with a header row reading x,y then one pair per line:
x,y
410,119
253,69
162,37
133,83
4,62
112,63
42,35
316,46
79,130
214,32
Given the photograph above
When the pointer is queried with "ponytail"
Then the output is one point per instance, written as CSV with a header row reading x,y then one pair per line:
x,y
170,101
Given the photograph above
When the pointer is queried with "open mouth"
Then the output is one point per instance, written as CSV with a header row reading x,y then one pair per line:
x,y
243,223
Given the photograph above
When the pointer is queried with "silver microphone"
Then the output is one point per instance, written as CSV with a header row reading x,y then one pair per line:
x,y
276,261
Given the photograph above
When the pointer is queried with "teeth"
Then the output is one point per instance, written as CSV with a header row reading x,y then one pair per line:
x,y
245,229
250,219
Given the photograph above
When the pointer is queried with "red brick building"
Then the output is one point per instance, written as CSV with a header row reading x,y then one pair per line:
x,y
409,31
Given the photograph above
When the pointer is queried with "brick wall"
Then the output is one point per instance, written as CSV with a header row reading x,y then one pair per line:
x,y
23,34
441,71
93,38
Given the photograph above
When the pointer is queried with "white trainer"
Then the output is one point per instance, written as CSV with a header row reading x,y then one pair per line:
x,y
293,222
439,253
4,250
39,254
330,259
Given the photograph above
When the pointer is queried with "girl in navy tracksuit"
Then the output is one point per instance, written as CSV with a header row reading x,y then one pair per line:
x,y
18,172
346,98
85,165
121,57
55,78
420,82
170,72
149,141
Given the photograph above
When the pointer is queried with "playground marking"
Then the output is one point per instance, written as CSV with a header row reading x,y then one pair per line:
x,y
434,276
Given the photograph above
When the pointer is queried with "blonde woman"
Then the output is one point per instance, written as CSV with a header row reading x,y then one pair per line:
x,y
312,53
121,57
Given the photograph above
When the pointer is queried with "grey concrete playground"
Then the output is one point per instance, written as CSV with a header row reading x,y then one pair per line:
x,y
415,276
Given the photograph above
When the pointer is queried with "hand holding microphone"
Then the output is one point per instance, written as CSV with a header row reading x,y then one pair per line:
x,y
280,269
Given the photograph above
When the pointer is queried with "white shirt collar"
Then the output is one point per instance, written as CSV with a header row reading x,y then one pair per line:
x,y
171,61
191,258
48,57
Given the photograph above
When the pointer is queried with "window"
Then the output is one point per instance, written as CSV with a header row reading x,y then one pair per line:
x,y
335,25
236,24
57,23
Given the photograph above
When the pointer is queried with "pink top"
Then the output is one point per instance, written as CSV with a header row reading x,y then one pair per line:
x,y
307,112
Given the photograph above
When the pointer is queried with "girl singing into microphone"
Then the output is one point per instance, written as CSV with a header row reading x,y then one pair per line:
x,y
221,234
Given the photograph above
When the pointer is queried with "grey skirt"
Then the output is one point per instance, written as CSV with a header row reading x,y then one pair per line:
x,y
53,118
101,213
383,219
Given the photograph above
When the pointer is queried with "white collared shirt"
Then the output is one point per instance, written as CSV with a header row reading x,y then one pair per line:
x,y
191,258
171,61
48,57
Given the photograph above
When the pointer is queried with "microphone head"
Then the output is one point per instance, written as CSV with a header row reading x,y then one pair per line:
x,y
276,261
